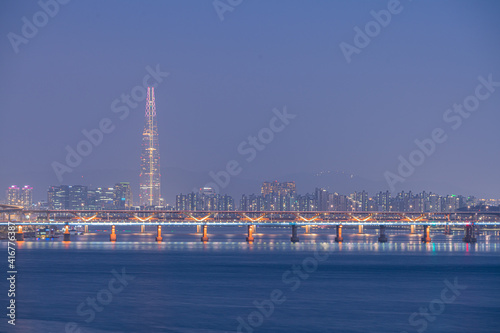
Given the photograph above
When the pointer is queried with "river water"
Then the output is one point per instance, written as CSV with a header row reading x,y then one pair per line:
x,y
227,285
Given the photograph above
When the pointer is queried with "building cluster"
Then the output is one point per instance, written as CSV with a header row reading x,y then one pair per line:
x,y
283,197
274,196
20,196
204,199
80,197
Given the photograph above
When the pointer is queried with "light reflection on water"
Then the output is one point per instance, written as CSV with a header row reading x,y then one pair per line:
x,y
276,239
184,285
279,245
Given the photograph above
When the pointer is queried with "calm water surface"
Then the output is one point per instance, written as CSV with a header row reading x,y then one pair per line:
x,y
183,285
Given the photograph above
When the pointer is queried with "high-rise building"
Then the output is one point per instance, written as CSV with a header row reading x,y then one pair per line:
x,y
244,202
307,202
383,200
205,199
321,199
13,195
338,202
105,197
450,203
77,197
92,200
207,191
58,197
433,203
276,188
180,202
27,196
80,197
150,191
122,195
67,197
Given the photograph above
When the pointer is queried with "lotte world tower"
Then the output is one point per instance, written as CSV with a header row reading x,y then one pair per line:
x,y
150,189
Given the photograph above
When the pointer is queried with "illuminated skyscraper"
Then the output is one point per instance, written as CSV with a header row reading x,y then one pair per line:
x,y
275,188
150,191
13,196
27,196
20,197
123,195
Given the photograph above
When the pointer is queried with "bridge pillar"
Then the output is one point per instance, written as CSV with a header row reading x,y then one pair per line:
x,y
250,238
67,235
360,229
308,229
426,237
198,228
447,229
112,236
19,234
339,238
413,229
143,228
204,238
469,234
158,234
86,229
382,237
295,237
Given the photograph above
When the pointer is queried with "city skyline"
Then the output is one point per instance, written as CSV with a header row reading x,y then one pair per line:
x,y
273,196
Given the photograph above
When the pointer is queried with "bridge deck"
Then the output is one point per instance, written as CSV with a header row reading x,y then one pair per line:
x,y
227,218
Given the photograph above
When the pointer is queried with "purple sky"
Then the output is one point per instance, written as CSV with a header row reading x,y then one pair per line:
x,y
226,77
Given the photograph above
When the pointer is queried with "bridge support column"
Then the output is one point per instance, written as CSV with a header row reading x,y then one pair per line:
x,y
339,238
382,238
250,238
308,229
413,229
143,228
67,236
426,237
158,234
447,229
198,228
86,229
204,238
360,229
295,237
469,234
19,234
112,236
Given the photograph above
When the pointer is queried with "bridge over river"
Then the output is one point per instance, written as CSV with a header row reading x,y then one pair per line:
x,y
469,220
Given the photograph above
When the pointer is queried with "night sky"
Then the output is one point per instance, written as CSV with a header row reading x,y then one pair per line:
x,y
225,78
